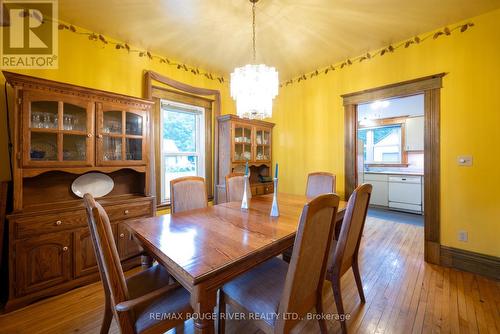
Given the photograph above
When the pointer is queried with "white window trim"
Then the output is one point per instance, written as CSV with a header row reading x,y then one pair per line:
x,y
200,142
400,143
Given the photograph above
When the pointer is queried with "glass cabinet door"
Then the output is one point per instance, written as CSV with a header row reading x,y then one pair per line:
x,y
58,131
262,145
242,141
121,136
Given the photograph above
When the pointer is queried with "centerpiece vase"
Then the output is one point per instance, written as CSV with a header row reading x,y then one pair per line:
x,y
275,211
244,200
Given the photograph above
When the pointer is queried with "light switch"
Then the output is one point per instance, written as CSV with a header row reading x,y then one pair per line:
x,y
465,160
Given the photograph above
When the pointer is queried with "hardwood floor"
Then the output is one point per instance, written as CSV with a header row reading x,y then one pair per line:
x,y
404,295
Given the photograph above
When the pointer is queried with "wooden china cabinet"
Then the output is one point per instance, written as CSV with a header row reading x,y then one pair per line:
x,y
62,131
242,140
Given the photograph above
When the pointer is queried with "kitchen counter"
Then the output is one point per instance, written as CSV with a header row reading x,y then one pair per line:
x,y
396,173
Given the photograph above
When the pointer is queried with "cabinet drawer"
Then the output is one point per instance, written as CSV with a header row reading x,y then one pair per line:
x,y
126,211
405,179
257,190
268,188
31,226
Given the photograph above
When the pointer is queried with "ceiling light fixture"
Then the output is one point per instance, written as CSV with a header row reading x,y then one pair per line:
x,y
254,86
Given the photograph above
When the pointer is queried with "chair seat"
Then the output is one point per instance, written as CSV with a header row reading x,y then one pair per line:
x,y
174,302
147,280
260,289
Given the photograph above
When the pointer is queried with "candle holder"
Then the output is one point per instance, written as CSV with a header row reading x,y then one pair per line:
x,y
244,200
275,211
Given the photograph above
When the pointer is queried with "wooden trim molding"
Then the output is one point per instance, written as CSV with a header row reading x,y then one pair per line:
x,y
188,91
405,88
429,86
351,149
485,265
432,174
27,82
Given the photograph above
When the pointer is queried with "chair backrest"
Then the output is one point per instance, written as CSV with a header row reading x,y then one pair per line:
x,y
347,246
108,260
188,193
235,186
306,272
320,183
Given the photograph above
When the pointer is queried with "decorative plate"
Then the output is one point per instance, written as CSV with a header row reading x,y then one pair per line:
x,y
96,184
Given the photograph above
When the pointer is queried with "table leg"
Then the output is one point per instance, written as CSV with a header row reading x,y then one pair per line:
x,y
203,302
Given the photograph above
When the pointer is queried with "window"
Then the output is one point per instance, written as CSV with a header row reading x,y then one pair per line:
x,y
182,143
382,144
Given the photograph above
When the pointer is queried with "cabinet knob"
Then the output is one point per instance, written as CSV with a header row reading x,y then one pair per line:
x,y
58,222
122,235
125,212
89,135
65,248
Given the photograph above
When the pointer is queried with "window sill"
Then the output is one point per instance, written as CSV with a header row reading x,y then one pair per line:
x,y
387,165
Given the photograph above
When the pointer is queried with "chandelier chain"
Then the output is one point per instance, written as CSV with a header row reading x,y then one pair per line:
x,y
253,32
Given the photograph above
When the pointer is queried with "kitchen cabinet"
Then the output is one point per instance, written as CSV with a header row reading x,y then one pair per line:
x,y
379,183
415,133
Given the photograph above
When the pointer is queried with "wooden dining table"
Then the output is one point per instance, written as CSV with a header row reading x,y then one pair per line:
x,y
205,248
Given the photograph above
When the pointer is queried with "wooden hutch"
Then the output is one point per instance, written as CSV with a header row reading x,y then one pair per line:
x,y
242,140
62,131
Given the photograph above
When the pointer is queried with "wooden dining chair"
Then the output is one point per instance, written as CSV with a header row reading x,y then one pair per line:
x,y
132,300
188,193
276,287
344,251
320,183
235,186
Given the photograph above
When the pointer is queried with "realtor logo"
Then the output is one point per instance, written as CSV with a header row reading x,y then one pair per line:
x,y
29,34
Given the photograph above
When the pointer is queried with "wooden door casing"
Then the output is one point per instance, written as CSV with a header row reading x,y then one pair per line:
x,y
42,262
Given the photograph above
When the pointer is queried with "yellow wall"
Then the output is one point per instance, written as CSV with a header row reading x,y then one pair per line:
x,y
309,135
90,64
309,132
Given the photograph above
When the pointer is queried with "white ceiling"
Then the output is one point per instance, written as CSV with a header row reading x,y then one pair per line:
x,y
295,36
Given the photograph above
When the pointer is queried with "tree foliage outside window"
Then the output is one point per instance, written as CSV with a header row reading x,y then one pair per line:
x,y
182,145
180,127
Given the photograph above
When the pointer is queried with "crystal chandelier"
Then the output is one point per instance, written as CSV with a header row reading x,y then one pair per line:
x,y
253,86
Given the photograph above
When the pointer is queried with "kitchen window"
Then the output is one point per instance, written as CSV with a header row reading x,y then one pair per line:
x,y
382,144
182,143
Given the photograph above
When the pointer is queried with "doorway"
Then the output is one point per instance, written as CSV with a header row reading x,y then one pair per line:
x,y
429,88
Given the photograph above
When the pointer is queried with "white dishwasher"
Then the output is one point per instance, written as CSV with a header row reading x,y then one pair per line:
x,y
405,193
